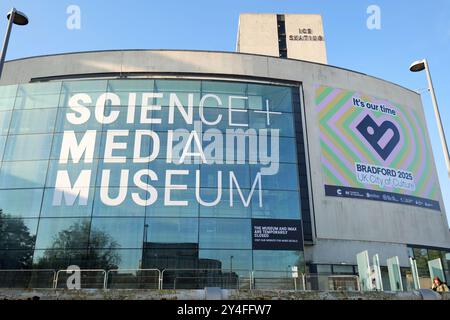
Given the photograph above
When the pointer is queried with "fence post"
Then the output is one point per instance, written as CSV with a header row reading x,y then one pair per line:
x,y
56,279
304,281
160,279
358,284
105,281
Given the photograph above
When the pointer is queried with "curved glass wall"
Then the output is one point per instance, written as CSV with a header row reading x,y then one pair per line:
x,y
149,174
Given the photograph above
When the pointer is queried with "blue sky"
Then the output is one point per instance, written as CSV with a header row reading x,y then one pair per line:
x,y
410,30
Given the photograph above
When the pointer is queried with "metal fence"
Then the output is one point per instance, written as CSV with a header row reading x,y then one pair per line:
x,y
133,279
278,280
154,279
201,278
314,282
89,279
27,279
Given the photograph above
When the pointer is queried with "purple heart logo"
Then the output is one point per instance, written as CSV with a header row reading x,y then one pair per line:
x,y
383,138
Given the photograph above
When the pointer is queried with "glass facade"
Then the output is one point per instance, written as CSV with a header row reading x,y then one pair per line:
x,y
135,174
423,255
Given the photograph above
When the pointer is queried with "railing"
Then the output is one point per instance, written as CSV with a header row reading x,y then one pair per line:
x,y
27,278
278,280
154,279
133,279
201,278
89,278
314,282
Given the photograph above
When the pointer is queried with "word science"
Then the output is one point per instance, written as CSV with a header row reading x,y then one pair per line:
x,y
148,147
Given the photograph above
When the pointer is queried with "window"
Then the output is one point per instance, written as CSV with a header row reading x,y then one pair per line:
x,y
21,203
277,261
116,233
24,121
23,174
225,233
28,147
63,233
176,231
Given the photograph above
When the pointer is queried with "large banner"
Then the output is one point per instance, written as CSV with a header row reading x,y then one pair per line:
x,y
374,149
277,234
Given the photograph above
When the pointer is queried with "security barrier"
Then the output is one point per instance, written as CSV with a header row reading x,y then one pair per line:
x,y
201,278
27,278
276,280
171,279
314,282
89,279
133,279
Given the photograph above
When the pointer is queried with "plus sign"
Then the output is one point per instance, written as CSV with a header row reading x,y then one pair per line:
x,y
268,112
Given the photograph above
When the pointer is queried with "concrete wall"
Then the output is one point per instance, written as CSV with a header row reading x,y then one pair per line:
x,y
258,33
337,251
344,219
117,294
308,50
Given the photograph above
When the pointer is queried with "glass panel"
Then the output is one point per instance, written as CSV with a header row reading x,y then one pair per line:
x,y
60,259
63,124
234,88
288,151
179,121
2,145
182,88
28,147
280,98
5,119
124,233
18,234
158,209
110,259
115,173
223,208
277,205
128,140
84,86
209,175
74,172
324,269
16,259
38,95
285,179
234,260
127,208
277,260
39,88
225,233
345,270
24,121
63,233
21,203
7,103
177,177
434,254
38,101
421,257
224,91
58,142
131,85
70,204
8,91
121,115
284,122
160,232
23,174
170,256
93,88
